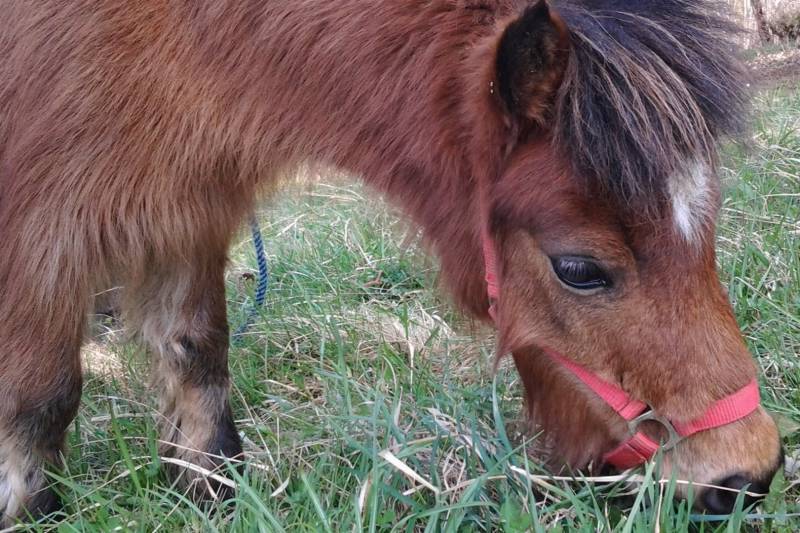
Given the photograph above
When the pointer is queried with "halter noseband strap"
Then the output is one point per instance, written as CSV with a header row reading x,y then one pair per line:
x,y
638,447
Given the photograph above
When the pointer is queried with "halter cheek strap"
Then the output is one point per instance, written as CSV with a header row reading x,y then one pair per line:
x,y
638,448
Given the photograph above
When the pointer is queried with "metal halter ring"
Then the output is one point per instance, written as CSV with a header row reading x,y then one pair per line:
x,y
650,415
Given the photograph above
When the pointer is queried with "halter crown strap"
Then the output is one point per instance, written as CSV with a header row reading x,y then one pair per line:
x,y
638,447
490,266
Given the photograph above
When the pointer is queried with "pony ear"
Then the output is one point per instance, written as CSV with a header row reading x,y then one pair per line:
x,y
531,60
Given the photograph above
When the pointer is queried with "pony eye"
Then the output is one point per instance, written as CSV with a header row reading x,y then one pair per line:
x,y
580,273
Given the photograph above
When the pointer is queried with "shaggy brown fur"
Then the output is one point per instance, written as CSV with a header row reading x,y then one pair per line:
x,y
135,136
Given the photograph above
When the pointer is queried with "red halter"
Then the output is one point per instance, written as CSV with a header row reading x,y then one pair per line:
x,y
638,447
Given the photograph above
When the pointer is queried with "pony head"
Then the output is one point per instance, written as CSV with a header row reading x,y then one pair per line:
x,y
600,227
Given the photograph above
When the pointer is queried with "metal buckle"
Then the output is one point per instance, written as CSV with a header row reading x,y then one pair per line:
x,y
673,437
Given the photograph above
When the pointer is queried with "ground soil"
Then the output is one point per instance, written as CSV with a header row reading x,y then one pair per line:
x,y
777,67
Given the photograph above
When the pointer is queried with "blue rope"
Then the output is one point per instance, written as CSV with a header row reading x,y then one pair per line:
x,y
750,517
261,258
263,279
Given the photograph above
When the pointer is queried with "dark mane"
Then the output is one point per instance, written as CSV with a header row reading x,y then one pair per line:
x,y
651,85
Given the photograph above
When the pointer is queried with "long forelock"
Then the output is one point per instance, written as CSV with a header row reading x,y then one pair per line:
x,y
650,86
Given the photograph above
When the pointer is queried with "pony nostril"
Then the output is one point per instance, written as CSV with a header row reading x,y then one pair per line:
x,y
721,501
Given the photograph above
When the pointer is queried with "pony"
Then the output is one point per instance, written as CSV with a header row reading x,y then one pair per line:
x,y
560,158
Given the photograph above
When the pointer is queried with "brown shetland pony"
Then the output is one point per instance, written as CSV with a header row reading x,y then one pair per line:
x,y
134,137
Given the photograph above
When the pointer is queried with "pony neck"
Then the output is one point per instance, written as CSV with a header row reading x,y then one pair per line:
x,y
395,115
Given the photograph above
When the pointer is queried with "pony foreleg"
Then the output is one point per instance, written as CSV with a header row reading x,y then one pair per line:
x,y
40,388
182,315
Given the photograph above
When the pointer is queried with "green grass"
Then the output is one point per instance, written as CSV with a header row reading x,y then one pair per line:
x,y
357,364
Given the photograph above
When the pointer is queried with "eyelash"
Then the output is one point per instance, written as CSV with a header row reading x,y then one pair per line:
x,y
580,273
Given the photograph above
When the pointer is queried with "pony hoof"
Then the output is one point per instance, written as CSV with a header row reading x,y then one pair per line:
x,y
210,486
205,476
40,504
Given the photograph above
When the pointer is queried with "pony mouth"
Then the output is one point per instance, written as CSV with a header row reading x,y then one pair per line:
x,y
722,495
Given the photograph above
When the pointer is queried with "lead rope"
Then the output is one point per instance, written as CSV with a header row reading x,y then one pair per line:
x,y
263,280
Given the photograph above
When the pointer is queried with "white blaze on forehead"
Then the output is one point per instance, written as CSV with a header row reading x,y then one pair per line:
x,y
691,199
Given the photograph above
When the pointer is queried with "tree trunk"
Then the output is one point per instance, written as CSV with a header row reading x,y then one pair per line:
x,y
761,21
